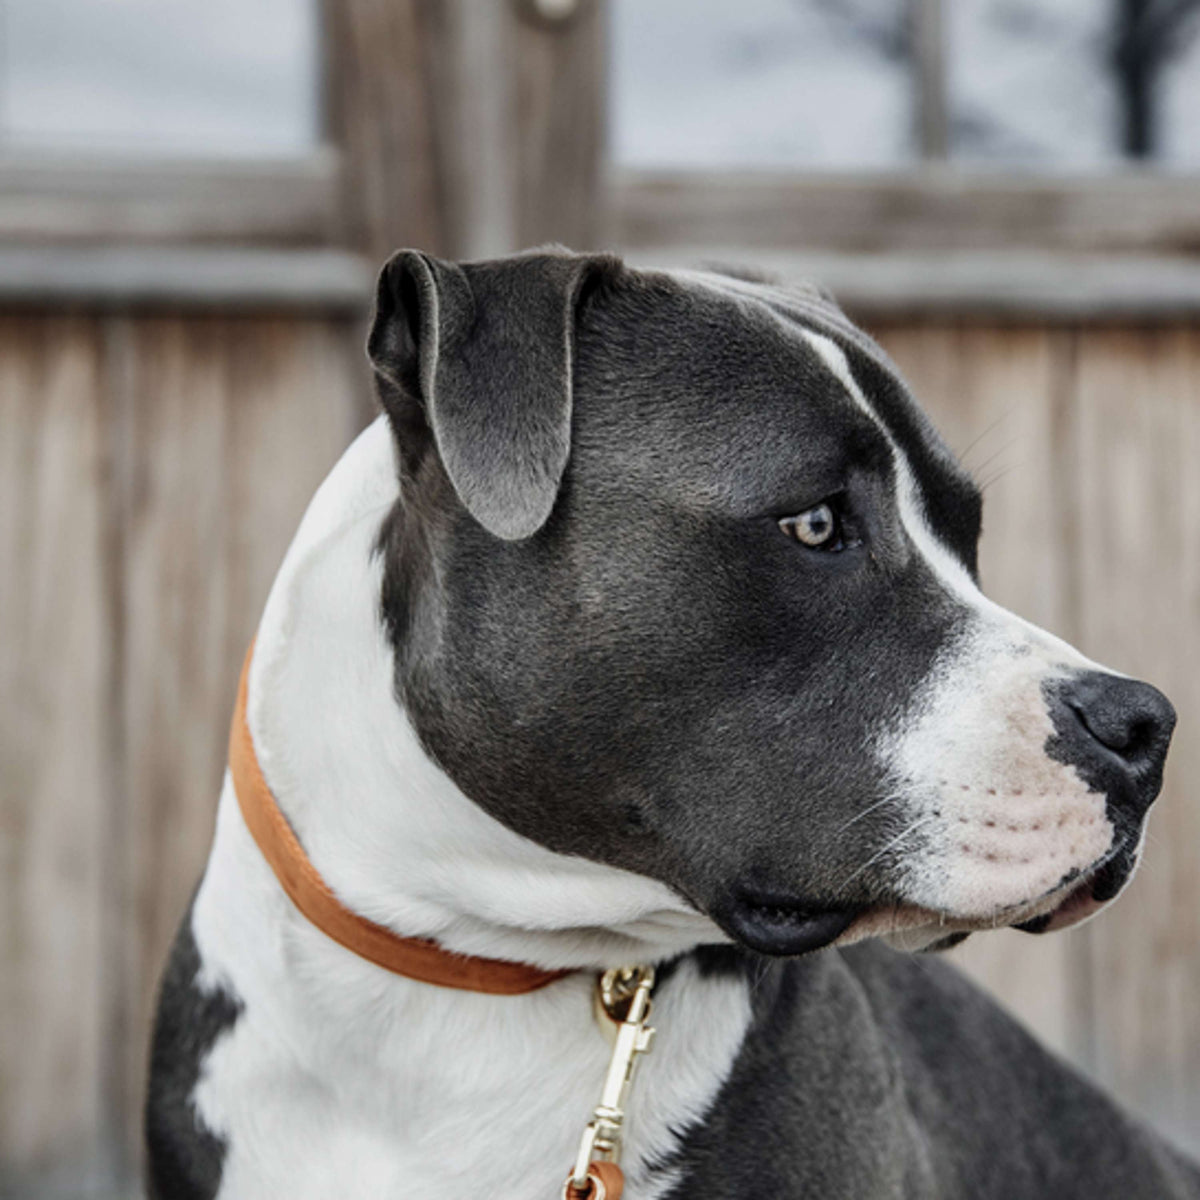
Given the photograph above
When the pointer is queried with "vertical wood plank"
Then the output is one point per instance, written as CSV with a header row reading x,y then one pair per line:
x,y
470,127
380,106
298,402
233,424
996,395
54,689
1139,563
470,55
559,126
173,517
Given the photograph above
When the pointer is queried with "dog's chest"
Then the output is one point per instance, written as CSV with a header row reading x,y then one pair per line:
x,y
340,1079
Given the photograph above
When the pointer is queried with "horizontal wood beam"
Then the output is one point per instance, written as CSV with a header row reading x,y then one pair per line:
x,y
1018,286
189,277
935,208
96,198
1013,286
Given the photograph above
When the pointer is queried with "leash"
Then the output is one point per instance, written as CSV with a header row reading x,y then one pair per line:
x,y
622,1003
622,997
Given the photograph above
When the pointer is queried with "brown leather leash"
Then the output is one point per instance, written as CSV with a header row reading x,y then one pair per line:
x,y
622,994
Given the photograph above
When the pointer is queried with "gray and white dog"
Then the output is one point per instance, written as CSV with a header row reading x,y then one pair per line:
x,y
644,626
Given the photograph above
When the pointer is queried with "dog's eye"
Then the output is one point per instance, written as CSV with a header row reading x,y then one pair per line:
x,y
818,527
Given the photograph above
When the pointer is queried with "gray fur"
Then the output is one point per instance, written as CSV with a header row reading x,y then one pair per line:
x,y
869,1074
487,347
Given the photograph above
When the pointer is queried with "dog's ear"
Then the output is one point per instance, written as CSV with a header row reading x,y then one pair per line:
x,y
486,351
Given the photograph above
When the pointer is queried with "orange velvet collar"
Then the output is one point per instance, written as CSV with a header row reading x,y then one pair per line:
x,y
416,958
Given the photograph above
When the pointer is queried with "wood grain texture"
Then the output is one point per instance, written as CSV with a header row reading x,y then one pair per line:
x,y
380,112
152,473
90,198
1015,286
514,112
559,127
223,279
1138,446
930,210
54,743
995,394
231,426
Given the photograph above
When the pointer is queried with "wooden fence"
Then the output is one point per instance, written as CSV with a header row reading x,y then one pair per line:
x,y
152,470
1092,528
154,466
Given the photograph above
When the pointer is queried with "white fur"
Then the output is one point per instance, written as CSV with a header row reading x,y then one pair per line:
x,y
342,1079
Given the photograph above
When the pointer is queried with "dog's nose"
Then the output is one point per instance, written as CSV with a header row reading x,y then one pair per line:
x,y
1116,732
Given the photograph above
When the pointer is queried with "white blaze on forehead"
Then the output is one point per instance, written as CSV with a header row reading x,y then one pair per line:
x,y
1001,823
945,565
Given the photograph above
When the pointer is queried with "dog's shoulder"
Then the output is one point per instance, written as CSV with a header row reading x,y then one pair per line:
x,y
921,1087
184,1158
981,1079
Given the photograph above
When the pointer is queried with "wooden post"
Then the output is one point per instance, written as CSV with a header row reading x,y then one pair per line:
x,y
929,58
559,123
379,112
469,127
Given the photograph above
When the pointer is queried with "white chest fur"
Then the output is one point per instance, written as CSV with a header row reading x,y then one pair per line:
x,y
341,1079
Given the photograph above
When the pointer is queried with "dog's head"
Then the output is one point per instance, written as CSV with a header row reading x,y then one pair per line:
x,y
683,580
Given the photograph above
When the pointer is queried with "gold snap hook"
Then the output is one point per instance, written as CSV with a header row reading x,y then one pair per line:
x,y
622,1001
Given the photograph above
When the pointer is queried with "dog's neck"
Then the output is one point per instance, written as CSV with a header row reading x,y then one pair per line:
x,y
389,831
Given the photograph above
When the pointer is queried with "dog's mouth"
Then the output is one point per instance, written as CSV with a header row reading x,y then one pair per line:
x,y
1085,896
786,925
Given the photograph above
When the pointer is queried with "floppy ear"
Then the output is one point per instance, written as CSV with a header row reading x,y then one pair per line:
x,y
486,349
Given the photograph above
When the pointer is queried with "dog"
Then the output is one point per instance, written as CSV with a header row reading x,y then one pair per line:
x,y
643,626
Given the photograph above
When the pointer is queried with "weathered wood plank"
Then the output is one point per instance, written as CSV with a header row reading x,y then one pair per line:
x,y
559,126
90,198
995,394
1138,445
928,210
226,279
1019,286
172,494
54,745
517,110
232,425
380,113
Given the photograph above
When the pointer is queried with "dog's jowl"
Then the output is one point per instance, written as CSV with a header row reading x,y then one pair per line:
x,y
644,627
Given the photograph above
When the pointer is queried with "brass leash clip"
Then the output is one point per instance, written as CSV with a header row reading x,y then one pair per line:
x,y
623,1002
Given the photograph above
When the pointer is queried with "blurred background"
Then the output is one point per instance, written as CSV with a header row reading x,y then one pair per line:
x,y
194,195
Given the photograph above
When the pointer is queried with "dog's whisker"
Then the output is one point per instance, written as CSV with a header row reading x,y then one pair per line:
x,y
866,812
991,458
979,437
908,832
994,479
